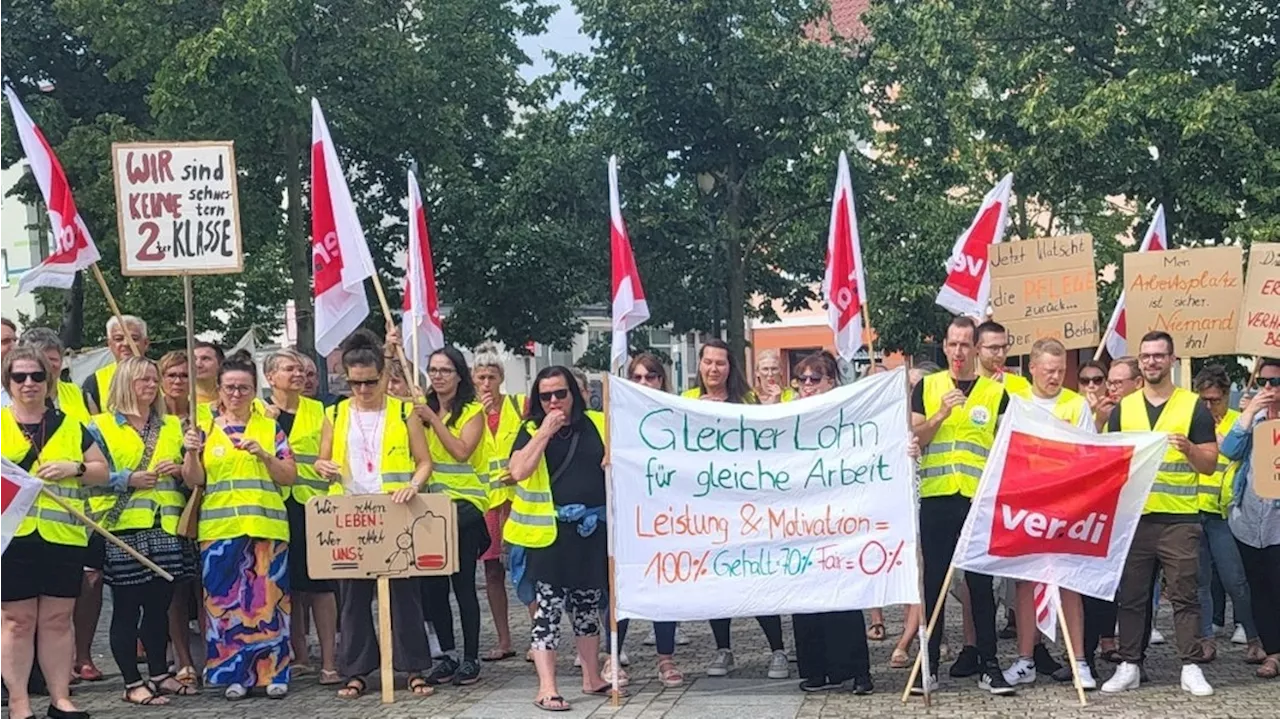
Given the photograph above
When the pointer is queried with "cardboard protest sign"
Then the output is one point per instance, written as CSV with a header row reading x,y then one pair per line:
x,y
1266,459
1194,295
176,208
723,510
1260,312
1046,287
363,536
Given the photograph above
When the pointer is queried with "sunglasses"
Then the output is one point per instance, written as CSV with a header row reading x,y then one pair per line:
x,y
645,377
364,382
1095,379
1268,382
812,378
553,394
38,377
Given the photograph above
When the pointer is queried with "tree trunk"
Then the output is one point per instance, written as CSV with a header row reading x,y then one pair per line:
x,y
299,244
72,330
736,282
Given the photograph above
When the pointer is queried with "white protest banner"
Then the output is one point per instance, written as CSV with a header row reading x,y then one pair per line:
x,y
725,510
177,209
1057,504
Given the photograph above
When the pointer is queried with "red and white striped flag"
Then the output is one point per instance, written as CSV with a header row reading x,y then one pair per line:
x,y
1048,598
339,252
844,286
73,247
18,492
1155,240
968,285
421,317
630,309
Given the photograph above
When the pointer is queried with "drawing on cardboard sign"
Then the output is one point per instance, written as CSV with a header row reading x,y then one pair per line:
x,y
363,536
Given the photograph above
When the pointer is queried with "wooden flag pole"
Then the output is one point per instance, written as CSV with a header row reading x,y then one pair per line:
x,y
386,314
115,310
1071,655
84,519
928,632
871,338
1102,345
386,671
189,309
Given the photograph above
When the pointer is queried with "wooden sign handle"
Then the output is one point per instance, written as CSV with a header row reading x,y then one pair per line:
x,y
386,670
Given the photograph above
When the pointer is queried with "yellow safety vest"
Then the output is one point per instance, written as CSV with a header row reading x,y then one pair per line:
x,y
397,462
54,523
1176,485
240,498
510,417
1069,407
532,522
126,448
71,402
1017,385
304,440
1214,495
952,463
467,481
789,395
104,375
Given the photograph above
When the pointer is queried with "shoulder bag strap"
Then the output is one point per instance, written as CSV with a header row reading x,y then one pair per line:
x,y
150,437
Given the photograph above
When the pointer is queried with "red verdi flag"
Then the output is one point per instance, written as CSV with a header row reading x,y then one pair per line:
x,y
844,286
630,309
421,307
73,248
1155,240
18,492
968,285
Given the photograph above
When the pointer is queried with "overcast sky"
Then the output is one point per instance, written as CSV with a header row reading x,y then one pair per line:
x,y
563,35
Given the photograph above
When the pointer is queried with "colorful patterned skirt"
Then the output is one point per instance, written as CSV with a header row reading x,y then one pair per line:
x,y
246,595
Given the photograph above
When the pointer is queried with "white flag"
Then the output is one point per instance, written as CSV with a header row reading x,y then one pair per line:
x,y
630,309
1155,240
967,288
844,285
421,306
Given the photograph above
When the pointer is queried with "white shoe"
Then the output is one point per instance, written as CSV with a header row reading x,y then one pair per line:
x,y
1087,681
722,664
1239,637
433,643
623,659
1127,677
1193,681
779,667
1217,629
1022,671
1156,636
577,660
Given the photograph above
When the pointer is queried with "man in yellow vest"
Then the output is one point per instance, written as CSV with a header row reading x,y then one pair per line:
x,y
993,350
1168,535
1048,371
1218,546
95,387
954,414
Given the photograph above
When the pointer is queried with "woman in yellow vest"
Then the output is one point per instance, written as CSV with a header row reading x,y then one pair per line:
x,y
379,446
243,458
557,526
144,512
459,451
43,565
303,420
503,416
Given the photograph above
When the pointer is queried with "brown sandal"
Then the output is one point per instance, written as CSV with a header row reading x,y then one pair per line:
x,y
353,689
420,687
153,698
1270,668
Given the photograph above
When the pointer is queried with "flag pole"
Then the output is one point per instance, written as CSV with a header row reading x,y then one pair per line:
x,y
84,519
386,315
115,310
928,632
615,690
871,337
1071,655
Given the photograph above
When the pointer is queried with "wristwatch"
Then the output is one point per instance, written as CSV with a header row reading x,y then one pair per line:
x,y
80,469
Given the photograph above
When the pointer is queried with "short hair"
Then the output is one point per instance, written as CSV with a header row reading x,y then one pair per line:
x,y
928,367
1268,362
362,349
217,349
1160,336
768,354
275,358
990,327
43,339
1095,364
488,354
1047,346
823,361
129,321
9,323
1135,370
650,362
170,360
26,352
1214,375
120,395
239,361
964,322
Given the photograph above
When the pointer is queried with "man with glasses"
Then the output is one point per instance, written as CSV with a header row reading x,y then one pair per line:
x,y
993,349
1168,535
954,415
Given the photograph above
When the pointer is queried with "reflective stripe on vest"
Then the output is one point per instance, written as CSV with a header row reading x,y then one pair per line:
x,y
532,522
510,417
54,524
304,440
1214,494
1176,485
397,463
126,447
952,463
240,498
466,481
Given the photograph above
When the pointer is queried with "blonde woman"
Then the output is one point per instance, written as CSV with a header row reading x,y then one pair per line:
x,y
145,446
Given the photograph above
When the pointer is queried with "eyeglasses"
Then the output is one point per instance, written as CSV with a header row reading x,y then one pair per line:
x,y
812,378
553,394
996,348
441,371
1157,357
234,389
39,376
1093,379
645,377
1118,382
1267,382
364,382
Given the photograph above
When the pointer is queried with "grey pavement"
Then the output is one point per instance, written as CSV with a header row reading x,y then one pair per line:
x,y
506,689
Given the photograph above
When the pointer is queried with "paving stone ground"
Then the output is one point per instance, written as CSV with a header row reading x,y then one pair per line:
x,y
507,688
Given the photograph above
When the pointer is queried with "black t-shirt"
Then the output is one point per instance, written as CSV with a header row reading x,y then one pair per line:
x,y
285,419
964,385
90,389
583,481
40,432
1203,428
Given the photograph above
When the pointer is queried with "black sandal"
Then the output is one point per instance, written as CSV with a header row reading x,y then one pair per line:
x,y
353,689
153,697
546,703
183,690
417,684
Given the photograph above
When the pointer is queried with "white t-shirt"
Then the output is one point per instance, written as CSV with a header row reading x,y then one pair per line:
x,y
1086,417
364,450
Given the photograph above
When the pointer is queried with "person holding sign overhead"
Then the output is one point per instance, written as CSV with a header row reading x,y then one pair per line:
x,y
379,446
1255,520
557,526
720,379
44,561
1168,535
243,458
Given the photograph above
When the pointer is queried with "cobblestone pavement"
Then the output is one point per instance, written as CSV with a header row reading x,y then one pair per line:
x,y
507,688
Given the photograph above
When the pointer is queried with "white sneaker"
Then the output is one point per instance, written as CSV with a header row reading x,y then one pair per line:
x,y
681,639
1087,681
779,667
1022,671
722,664
1239,637
1217,629
1127,677
1156,636
1193,681
577,660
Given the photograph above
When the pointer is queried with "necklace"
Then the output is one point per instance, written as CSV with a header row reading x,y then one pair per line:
x,y
368,445
31,436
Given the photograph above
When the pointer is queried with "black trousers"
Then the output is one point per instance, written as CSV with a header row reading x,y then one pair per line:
x,y
1262,570
831,646
941,519
473,540
772,626
140,612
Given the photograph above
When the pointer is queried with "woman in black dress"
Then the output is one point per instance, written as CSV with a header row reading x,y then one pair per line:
x,y
561,449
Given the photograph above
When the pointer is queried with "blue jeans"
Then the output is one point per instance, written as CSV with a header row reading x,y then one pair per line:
x,y
1218,551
